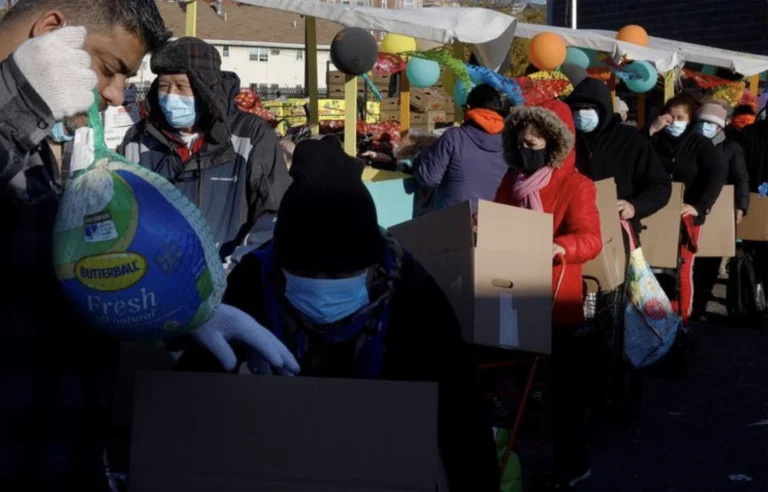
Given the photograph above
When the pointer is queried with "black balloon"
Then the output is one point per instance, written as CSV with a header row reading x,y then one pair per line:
x,y
354,51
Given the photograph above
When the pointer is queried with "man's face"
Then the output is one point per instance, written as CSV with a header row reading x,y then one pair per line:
x,y
115,57
177,83
115,53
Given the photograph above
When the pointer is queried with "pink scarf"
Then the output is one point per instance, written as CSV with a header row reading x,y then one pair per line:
x,y
525,191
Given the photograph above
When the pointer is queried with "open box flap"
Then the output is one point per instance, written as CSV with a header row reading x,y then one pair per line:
x,y
437,233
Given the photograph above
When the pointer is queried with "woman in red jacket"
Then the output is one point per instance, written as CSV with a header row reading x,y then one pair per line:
x,y
538,145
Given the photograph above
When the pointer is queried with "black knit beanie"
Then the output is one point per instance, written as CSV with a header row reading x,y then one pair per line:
x,y
327,219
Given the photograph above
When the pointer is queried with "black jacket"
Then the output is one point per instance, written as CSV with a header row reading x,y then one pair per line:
x,y
423,343
693,160
621,152
733,157
236,177
755,142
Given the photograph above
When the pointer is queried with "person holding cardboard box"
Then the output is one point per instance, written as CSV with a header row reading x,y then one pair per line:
x,y
712,118
349,302
538,145
467,163
606,148
692,159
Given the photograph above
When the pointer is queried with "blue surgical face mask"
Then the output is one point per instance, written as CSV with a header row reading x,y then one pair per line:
x,y
708,129
179,111
326,301
586,120
59,133
677,128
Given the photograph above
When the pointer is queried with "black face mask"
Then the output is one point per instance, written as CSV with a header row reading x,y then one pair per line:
x,y
529,160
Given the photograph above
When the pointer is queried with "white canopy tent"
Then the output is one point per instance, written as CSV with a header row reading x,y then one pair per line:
x,y
665,54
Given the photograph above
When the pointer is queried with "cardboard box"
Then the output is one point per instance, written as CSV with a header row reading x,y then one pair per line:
x,y
390,104
430,117
202,432
660,237
718,234
388,115
501,289
382,80
423,100
610,267
754,226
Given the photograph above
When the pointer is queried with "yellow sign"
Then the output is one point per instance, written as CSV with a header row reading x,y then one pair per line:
x,y
110,272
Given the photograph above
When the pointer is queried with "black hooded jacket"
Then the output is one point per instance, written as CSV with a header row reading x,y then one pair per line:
x,y
618,151
755,141
693,160
733,157
239,173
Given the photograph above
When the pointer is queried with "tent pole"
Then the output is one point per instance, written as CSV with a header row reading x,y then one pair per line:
x,y
574,13
310,45
754,82
350,115
191,20
458,111
405,102
669,85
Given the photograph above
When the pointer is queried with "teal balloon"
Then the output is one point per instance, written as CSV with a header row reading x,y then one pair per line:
x,y
593,56
422,73
575,56
646,81
461,93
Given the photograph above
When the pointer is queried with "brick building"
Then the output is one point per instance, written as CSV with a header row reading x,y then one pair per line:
x,y
739,25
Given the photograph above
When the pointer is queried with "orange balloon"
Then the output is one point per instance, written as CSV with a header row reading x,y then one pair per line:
x,y
633,34
547,51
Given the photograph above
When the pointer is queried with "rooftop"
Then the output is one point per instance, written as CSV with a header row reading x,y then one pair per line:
x,y
244,23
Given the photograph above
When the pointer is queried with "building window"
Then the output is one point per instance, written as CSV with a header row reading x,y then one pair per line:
x,y
362,3
384,4
345,2
299,54
259,54
409,4
225,51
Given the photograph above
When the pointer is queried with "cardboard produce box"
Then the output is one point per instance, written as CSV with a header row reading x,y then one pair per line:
x,y
388,115
203,432
610,267
718,234
754,226
500,289
428,118
423,100
390,104
660,237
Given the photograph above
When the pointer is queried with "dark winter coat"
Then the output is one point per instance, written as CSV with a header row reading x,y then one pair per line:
x,y
733,157
239,173
615,150
465,164
693,160
570,198
57,375
755,140
423,343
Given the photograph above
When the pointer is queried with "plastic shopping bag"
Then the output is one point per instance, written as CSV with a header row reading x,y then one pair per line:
x,y
650,323
132,253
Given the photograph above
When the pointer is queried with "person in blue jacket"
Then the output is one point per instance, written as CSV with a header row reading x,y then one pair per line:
x,y
467,163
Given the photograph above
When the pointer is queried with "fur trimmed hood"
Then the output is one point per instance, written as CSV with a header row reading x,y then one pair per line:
x,y
552,120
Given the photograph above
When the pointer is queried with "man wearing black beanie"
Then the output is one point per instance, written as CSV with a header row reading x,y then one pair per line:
x,y
349,302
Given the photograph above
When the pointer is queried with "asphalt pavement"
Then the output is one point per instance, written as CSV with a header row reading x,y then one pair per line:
x,y
707,433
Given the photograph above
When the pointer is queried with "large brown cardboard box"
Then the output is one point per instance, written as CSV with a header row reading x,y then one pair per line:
x,y
203,432
754,226
390,115
426,100
660,237
500,289
390,104
428,118
718,234
609,268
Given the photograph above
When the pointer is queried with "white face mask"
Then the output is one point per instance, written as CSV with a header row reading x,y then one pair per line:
x,y
677,128
586,120
708,129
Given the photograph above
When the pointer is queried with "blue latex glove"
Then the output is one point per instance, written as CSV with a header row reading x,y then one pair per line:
x,y
230,324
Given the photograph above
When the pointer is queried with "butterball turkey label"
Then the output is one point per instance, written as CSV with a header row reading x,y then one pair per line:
x,y
133,255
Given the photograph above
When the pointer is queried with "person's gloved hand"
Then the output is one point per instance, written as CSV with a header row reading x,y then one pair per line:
x,y
230,324
59,69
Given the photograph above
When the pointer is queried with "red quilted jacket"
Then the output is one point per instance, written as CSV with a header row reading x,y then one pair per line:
x,y
570,198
